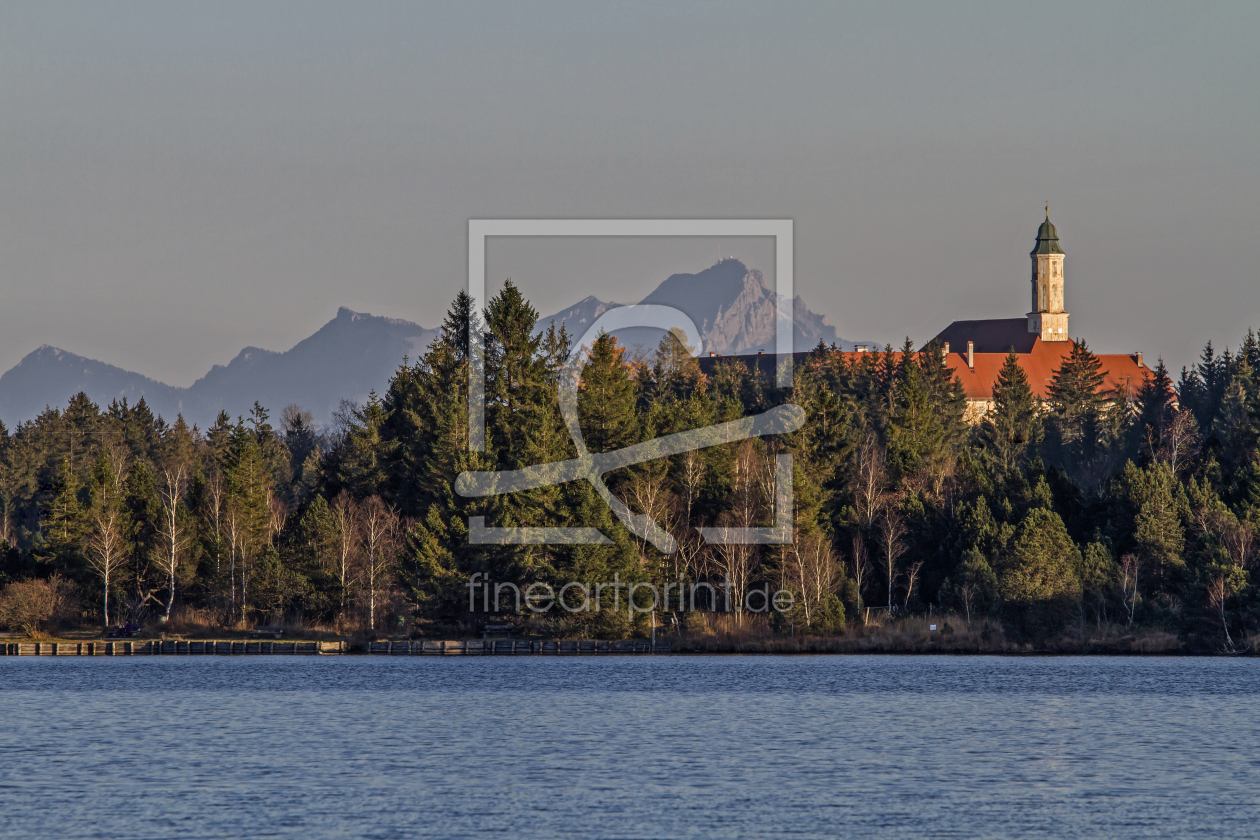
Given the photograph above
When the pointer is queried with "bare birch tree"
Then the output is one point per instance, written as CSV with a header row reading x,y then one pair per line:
x,y
1238,537
810,571
106,550
236,542
277,513
345,518
1173,444
690,477
872,476
379,535
691,556
861,563
215,494
737,561
1220,586
892,539
911,574
1128,581
649,496
7,535
170,496
1226,579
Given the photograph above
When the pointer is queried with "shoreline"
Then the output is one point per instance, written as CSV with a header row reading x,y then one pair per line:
x,y
575,648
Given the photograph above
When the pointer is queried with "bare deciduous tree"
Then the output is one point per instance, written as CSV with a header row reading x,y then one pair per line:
x,y
650,498
7,535
379,536
215,494
872,475
277,513
170,495
236,540
345,517
1238,537
33,605
690,558
911,575
105,548
861,563
737,562
810,570
1128,581
1173,444
690,476
892,539
1218,591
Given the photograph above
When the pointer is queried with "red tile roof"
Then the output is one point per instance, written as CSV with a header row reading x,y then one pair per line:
x,y
1039,364
994,338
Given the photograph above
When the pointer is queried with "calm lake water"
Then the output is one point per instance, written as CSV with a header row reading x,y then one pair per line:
x,y
704,747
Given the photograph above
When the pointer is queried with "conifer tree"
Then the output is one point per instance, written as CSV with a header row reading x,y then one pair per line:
x,y
676,373
63,524
363,455
1012,427
143,544
945,393
915,434
975,585
246,513
606,398
1076,407
726,381
1150,512
1237,422
1038,579
516,379
1156,400
315,538
436,557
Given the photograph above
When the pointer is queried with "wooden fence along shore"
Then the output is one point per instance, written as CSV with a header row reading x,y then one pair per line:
x,y
488,647
510,647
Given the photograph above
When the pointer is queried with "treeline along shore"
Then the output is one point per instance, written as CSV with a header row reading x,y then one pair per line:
x,y
1079,522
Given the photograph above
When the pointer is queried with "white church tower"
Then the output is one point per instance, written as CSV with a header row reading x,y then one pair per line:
x,y
1047,317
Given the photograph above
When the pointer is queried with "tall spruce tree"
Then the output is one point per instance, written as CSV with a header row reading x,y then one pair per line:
x,y
606,398
916,436
945,392
1156,401
63,524
1076,408
1012,428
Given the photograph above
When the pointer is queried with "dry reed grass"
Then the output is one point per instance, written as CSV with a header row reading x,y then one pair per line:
x,y
912,635
190,623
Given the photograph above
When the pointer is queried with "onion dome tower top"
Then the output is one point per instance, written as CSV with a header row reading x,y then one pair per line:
x,y
1047,237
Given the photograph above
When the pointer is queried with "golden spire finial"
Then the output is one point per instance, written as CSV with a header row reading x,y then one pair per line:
x,y
1047,209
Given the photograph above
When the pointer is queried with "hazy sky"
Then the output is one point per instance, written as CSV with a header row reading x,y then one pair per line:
x,y
178,181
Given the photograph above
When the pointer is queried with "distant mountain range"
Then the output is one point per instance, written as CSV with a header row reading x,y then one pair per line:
x,y
354,353
347,357
731,305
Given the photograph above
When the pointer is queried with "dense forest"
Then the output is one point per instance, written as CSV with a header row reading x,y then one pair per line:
x,y
1089,510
